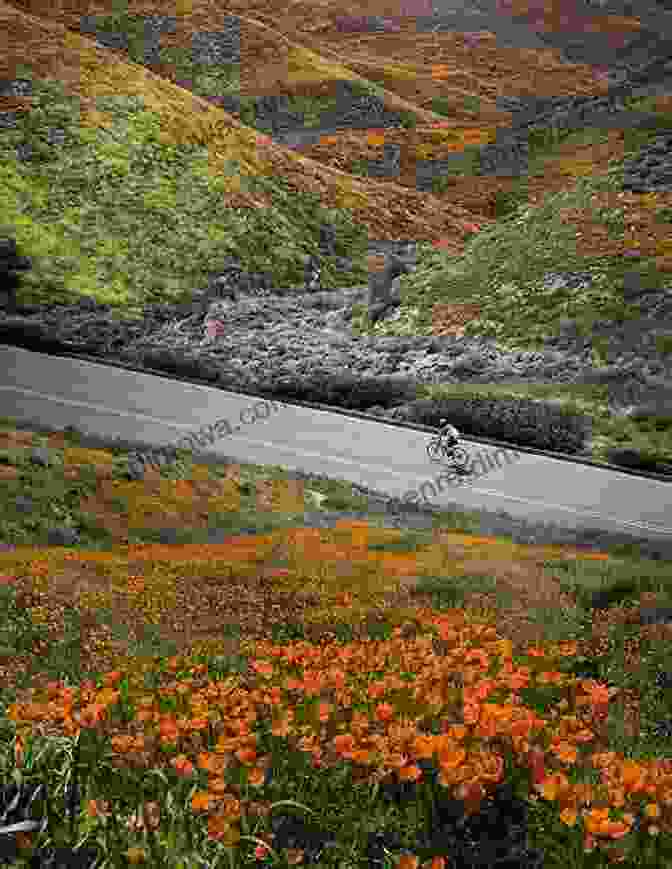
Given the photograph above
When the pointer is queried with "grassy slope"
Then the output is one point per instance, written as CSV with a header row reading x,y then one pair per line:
x,y
140,210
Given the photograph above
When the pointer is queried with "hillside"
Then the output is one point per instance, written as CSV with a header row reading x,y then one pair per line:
x,y
47,49
151,183
299,55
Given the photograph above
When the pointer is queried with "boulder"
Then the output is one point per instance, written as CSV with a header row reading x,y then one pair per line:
x,y
231,281
383,295
328,239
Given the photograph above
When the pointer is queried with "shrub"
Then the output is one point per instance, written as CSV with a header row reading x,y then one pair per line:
x,y
507,202
408,120
348,391
516,420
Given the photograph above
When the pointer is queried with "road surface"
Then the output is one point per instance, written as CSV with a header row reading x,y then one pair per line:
x,y
128,406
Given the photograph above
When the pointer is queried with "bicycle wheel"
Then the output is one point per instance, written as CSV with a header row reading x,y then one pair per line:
x,y
460,456
435,450
457,456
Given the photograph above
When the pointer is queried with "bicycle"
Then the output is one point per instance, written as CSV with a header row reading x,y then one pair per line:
x,y
438,449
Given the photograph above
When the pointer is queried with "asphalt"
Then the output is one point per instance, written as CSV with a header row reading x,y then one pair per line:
x,y
125,407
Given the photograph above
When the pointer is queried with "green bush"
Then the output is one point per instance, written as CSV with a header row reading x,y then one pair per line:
x,y
664,344
346,390
440,184
664,215
408,120
472,103
441,105
521,421
507,202
466,166
545,138
360,167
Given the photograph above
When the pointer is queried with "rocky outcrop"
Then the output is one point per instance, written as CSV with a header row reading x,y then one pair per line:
x,y
384,271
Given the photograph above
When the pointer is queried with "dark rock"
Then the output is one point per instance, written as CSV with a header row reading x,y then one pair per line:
x,y
616,595
228,102
62,536
218,47
388,166
24,504
10,260
169,536
655,615
343,263
19,803
663,680
28,310
495,835
41,456
274,116
230,281
293,832
380,297
507,158
352,111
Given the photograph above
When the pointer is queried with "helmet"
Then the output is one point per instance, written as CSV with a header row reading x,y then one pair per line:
x,y
442,420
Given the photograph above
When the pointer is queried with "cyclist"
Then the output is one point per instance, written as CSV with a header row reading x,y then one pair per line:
x,y
447,444
448,434
450,437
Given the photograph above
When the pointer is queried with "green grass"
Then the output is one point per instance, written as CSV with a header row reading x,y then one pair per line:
x,y
122,239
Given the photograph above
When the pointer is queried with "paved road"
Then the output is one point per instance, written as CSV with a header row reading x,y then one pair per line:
x,y
128,406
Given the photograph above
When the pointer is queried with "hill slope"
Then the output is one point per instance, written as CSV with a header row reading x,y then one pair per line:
x,y
140,183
